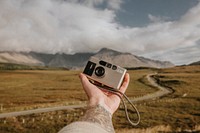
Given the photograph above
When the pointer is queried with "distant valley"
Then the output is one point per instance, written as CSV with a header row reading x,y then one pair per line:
x,y
78,60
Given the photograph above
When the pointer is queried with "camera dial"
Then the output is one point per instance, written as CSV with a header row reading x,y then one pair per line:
x,y
99,71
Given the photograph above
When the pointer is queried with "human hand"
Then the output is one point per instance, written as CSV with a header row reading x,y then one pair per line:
x,y
96,96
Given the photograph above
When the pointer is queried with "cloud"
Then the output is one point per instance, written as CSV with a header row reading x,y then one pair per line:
x,y
157,19
56,26
180,55
114,4
179,40
111,4
72,26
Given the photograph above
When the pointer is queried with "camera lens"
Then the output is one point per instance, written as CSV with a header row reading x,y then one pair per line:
x,y
114,67
99,71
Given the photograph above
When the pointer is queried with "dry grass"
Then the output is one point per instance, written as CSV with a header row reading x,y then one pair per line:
x,y
158,129
179,111
32,88
35,88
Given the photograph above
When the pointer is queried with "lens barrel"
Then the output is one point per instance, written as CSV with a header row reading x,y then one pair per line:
x,y
99,71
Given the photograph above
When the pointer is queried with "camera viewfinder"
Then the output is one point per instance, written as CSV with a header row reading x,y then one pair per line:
x,y
103,63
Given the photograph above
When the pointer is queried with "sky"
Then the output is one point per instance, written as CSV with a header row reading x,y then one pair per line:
x,y
167,30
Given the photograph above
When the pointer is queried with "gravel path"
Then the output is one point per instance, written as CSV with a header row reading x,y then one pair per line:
x,y
162,90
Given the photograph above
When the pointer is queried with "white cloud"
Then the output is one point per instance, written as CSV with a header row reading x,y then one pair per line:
x,y
158,19
114,4
52,26
179,55
72,26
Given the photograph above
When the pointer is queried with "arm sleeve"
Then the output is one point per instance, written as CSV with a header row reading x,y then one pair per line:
x,y
83,127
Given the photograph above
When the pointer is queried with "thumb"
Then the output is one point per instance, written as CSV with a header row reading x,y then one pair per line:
x,y
125,83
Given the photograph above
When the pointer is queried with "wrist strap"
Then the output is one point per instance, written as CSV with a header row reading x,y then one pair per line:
x,y
121,95
118,93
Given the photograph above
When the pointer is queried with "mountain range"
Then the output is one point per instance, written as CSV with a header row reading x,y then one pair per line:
x,y
78,60
195,63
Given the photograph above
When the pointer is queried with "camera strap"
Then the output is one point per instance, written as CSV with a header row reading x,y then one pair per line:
x,y
118,93
122,96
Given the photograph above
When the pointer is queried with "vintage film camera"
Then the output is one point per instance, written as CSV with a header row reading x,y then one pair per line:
x,y
104,73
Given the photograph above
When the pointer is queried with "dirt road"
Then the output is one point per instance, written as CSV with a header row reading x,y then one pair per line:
x,y
40,110
162,90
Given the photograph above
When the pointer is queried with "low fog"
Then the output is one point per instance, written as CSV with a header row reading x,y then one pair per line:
x,y
71,26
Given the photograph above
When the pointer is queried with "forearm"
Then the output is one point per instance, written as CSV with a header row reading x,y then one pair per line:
x,y
99,115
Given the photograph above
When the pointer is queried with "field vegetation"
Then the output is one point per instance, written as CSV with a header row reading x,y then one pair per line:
x,y
21,89
27,89
179,111
12,66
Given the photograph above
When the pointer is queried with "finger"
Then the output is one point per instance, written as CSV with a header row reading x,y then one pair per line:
x,y
88,87
122,88
85,82
125,83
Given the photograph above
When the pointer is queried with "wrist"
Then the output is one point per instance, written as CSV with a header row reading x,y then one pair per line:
x,y
99,102
99,115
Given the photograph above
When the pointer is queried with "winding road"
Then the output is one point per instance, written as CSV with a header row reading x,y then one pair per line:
x,y
162,91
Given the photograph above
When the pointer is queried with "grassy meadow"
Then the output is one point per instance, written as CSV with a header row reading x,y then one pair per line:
x,y
34,88
28,89
179,111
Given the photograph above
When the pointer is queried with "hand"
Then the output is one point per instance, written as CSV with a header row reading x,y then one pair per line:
x,y
96,96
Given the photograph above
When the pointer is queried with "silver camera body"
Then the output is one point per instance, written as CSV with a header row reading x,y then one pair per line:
x,y
105,73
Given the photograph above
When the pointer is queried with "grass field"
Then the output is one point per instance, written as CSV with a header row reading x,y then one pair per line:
x,y
25,89
179,111
35,88
31,88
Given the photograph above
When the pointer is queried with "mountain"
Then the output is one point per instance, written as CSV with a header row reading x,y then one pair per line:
x,y
130,60
195,63
75,61
78,60
19,58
